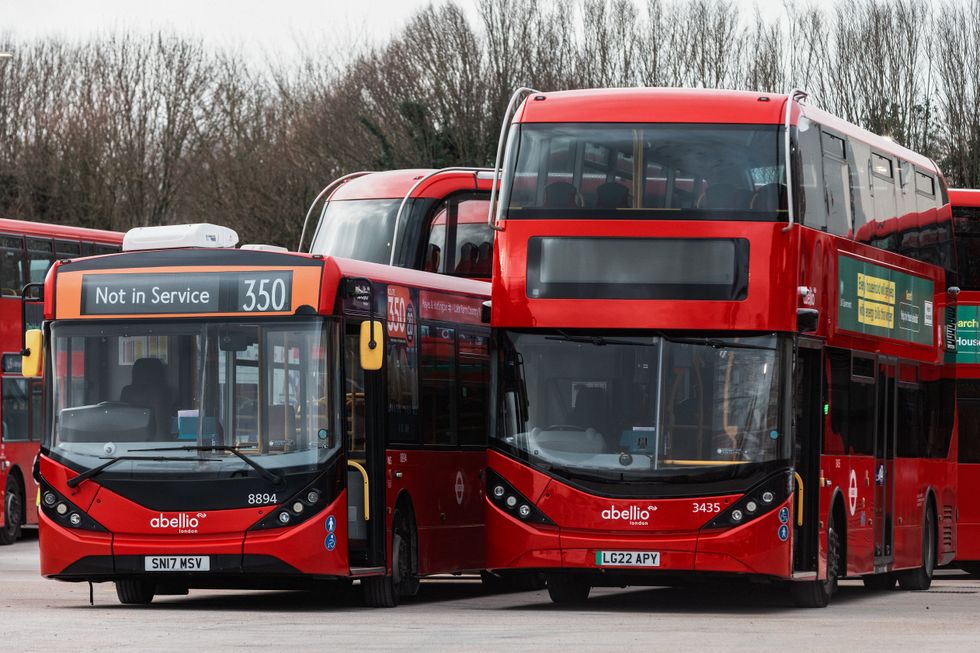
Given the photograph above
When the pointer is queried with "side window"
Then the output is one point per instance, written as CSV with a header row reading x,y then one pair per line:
x,y
438,358
460,240
925,188
862,202
37,411
15,410
474,383
11,266
67,249
968,419
861,420
40,256
938,397
838,182
106,249
403,390
883,179
354,410
909,420
814,198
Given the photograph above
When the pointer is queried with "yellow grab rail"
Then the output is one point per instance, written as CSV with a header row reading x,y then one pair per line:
x,y
799,498
367,487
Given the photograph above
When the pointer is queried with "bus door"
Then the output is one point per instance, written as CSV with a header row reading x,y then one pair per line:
x,y
808,401
364,437
884,478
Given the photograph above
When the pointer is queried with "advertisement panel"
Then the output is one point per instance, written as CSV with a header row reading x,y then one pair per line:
x,y
879,301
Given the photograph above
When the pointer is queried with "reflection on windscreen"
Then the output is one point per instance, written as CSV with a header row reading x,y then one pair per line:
x,y
671,168
263,389
357,229
638,404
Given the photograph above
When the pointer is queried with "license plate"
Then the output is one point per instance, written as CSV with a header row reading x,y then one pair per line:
x,y
627,558
177,563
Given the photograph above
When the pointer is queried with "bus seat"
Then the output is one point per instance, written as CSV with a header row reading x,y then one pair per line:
x,y
771,197
561,195
149,389
722,196
612,195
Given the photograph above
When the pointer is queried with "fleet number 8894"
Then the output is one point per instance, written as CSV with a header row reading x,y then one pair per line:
x,y
261,499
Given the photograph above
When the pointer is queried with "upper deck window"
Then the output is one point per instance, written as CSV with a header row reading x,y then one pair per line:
x,y
925,184
677,171
357,229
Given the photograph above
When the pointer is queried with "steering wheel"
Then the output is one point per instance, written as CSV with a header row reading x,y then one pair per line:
x,y
564,427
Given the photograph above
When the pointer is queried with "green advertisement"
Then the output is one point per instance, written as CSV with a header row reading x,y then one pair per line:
x,y
968,334
882,302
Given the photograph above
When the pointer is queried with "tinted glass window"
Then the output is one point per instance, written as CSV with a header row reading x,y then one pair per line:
x,y
966,224
438,384
16,410
852,404
814,198
357,229
11,266
968,416
460,240
647,170
40,256
474,379
403,390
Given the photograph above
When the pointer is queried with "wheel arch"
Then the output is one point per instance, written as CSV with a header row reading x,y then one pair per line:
x,y
404,505
840,520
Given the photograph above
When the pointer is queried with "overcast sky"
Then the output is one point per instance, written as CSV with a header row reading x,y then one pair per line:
x,y
260,27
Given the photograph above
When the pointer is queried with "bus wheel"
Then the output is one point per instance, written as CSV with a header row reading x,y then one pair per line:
x,y
386,591
879,582
134,591
817,593
13,506
568,588
920,579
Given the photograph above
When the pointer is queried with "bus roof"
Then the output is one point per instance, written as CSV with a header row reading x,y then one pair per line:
x,y
964,196
698,106
395,184
24,227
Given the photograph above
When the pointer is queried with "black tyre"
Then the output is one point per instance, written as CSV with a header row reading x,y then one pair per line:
x,y
879,582
13,512
567,589
134,592
386,591
817,593
920,579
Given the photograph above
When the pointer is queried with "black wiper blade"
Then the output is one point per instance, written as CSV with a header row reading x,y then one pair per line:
x,y
267,474
717,343
95,471
597,340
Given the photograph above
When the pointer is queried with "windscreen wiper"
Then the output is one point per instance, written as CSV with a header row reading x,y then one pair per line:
x,y
717,343
598,341
267,474
95,471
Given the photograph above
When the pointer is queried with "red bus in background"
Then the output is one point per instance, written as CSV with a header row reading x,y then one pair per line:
x,y
241,431
27,250
720,324
432,220
966,221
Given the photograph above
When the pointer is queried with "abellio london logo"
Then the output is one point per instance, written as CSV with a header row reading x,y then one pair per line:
x,y
183,522
635,515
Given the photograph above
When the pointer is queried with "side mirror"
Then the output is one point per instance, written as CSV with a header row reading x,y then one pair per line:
x,y
33,355
372,345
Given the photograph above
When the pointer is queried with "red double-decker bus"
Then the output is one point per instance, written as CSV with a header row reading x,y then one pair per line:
x,y
966,221
27,250
432,220
720,323
253,418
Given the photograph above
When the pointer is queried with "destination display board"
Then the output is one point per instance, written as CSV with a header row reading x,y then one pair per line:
x,y
879,301
968,334
187,292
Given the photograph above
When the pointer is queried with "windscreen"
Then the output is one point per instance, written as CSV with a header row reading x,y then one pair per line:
x,y
669,171
357,229
263,388
640,408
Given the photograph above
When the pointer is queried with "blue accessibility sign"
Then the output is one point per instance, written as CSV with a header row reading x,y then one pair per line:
x,y
330,542
784,514
783,532
331,524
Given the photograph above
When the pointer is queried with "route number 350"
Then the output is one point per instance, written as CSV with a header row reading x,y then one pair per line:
x,y
264,295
